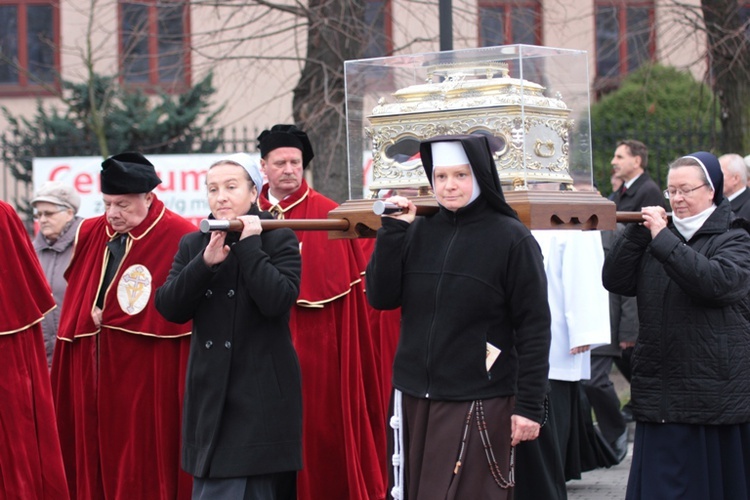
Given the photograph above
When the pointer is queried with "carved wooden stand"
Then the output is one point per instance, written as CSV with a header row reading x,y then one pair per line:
x,y
536,209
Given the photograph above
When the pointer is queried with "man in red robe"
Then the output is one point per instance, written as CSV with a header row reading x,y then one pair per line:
x,y
118,369
343,417
30,459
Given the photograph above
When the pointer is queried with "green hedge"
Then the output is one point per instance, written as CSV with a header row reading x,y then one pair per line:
x,y
663,107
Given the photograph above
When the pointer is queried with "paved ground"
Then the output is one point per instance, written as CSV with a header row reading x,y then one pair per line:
x,y
605,484
602,484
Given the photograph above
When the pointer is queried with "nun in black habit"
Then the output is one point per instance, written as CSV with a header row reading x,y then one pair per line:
x,y
690,386
470,371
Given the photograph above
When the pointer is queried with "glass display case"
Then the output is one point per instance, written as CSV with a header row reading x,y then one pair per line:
x,y
533,102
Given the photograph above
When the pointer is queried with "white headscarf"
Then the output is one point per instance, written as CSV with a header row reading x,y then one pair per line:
x,y
452,154
247,162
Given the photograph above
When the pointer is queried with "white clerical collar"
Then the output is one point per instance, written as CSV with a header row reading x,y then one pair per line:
x,y
736,193
631,181
690,225
274,200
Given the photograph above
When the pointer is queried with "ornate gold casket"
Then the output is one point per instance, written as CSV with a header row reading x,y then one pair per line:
x,y
532,101
530,130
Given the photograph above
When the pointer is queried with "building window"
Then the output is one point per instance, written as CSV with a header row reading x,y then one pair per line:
x,y
378,20
377,29
154,44
625,38
29,40
506,22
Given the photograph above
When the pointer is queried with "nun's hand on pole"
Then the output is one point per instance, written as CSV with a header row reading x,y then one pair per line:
x,y
408,209
655,219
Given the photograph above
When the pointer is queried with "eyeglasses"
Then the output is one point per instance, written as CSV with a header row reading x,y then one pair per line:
x,y
685,193
47,213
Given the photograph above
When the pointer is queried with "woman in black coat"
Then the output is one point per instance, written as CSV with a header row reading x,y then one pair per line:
x,y
690,384
242,422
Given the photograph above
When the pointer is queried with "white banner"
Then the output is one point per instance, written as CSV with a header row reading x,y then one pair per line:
x,y
183,187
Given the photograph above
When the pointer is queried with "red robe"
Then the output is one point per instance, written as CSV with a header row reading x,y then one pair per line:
x,y
30,458
343,436
385,326
119,388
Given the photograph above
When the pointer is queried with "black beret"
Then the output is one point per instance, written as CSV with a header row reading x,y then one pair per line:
x,y
128,173
286,136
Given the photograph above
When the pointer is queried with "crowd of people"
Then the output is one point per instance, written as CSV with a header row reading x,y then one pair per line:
x,y
457,355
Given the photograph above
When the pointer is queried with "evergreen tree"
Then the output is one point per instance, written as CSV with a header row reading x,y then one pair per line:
x,y
100,117
666,109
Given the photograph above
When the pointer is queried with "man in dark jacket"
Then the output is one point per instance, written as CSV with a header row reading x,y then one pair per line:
x,y
637,190
735,184
242,425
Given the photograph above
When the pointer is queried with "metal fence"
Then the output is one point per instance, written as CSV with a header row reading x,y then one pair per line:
x,y
243,140
666,141
17,191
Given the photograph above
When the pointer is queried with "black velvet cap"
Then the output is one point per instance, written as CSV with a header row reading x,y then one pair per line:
x,y
128,173
286,136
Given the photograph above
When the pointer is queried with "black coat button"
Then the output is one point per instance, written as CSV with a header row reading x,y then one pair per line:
x,y
228,344
209,293
230,293
209,344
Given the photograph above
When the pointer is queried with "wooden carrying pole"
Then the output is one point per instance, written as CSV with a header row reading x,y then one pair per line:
x,y
207,225
361,218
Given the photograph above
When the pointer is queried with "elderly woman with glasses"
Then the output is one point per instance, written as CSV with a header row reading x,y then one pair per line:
x,y
690,383
55,207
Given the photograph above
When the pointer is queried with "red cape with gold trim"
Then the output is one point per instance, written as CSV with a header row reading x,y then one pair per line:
x,y
334,266
343,418
25,295
385,326
152,245
119,389
30,458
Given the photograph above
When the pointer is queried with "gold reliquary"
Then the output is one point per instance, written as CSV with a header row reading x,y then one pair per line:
x,y
532,102
529,130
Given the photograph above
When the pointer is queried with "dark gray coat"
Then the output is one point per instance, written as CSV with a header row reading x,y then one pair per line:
x,y
54,259
623,313
691,361
741,205
243,399
644,192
